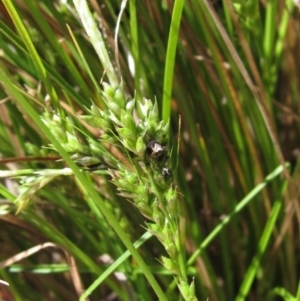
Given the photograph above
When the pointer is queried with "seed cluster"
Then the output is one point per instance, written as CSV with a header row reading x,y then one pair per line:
x,y
149,184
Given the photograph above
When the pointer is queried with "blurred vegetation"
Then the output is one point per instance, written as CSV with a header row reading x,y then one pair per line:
x,y
235,88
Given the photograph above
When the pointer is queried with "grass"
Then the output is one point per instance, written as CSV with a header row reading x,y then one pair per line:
x,y
165,168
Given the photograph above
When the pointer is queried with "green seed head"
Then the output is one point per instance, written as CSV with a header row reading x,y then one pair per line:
x,y
169,264
130,105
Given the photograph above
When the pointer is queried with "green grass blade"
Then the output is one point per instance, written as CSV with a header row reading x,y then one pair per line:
x,y
96,40
114,266
238,208
170,59
254,266
33,53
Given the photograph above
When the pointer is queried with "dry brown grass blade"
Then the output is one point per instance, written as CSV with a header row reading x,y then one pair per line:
x,y
72,264
17,257
261,102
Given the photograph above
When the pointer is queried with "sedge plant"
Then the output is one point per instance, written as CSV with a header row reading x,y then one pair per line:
x,y
132,126
101,161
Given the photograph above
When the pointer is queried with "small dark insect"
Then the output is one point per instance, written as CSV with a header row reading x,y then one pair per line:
x,y
157,155
155,150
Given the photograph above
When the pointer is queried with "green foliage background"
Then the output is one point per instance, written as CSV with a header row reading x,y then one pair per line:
x,y
230,70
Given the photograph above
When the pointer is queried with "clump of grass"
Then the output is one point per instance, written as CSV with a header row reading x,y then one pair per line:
x,y
134,127
237,117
